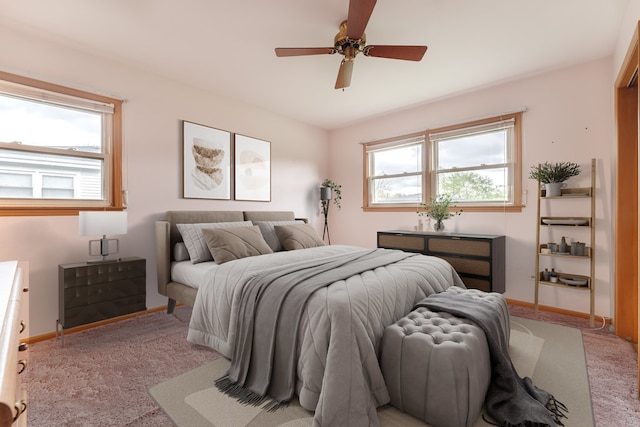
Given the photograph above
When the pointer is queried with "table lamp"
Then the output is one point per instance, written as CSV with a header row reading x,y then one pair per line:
x,y
95,223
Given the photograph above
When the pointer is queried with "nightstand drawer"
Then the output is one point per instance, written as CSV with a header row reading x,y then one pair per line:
x,y
81,315
83,274
82,295
460,246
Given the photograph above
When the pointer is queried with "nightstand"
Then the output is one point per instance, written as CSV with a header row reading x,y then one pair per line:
x,y
91,292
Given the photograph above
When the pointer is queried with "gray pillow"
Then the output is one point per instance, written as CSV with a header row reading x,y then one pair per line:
x,y
194,240
227,244
180,252
269,232
298,236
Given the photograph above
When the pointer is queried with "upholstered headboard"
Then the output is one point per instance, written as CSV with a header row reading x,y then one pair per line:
x,y
167,235
196,217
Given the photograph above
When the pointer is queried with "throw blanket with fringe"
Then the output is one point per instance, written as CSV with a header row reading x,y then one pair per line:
x,y
511,400
271,305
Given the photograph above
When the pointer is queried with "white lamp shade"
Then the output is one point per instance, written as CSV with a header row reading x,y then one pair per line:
x,y
101,223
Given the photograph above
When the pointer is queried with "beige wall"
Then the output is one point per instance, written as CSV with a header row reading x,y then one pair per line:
x,y
153,112
569,118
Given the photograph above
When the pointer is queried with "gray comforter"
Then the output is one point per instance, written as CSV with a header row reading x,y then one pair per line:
x,y
339,334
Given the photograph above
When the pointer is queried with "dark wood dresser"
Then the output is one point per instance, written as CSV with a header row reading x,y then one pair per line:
x,y
479,259
90,292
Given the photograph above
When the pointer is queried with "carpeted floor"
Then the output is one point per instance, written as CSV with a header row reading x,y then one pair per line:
x,y
101,376
552,355
612,364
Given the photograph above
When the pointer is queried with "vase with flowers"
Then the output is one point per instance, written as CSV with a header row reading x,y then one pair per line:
x,y
438,209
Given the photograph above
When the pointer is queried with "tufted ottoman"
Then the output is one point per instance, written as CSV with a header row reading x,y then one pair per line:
x,y
436,366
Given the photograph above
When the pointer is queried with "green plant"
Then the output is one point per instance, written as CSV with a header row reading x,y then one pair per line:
x,y
336,193
438,208
548,173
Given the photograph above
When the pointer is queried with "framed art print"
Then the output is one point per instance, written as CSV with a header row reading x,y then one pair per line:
x,y
207,162
252,169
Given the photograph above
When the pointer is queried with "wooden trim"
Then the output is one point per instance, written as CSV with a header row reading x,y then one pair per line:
x,y
627,253
626,199
557,310
50,335
114,190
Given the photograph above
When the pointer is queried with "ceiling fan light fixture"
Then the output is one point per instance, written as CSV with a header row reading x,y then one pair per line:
x,y
350,41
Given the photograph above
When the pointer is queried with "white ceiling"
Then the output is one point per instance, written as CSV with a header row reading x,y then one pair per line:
x,y
227,46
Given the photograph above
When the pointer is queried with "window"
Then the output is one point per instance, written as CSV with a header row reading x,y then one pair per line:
x,y
396,171
60,149
477,163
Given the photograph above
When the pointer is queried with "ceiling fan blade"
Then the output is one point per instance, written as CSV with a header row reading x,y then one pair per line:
x,y
299,51
344,74
409,53
359,13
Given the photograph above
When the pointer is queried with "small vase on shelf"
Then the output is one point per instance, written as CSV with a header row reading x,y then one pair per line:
x,y
563,245
438,226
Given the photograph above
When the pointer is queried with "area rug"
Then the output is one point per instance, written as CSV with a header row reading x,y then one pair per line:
x,y
552,355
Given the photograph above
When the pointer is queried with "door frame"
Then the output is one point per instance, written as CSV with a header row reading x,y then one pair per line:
x,y
627,117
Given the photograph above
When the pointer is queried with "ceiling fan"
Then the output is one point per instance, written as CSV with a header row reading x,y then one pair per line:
x,y
351,40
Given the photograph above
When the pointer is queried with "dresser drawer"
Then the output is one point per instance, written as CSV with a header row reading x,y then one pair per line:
x,y
460,246
399,241
478,267
475,283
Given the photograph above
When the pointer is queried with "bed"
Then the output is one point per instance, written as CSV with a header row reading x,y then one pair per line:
x,y
337,342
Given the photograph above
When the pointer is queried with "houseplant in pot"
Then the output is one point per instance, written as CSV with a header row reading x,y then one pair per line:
x,y
439,209
554,175
329,190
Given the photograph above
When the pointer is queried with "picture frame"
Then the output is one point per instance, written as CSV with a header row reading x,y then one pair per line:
x,y
252,169
207,161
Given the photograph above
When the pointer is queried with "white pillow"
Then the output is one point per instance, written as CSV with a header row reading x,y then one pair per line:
x,y
194,239
267,228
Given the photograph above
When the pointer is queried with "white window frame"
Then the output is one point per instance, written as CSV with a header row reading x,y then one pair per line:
x,y
110,155
431,169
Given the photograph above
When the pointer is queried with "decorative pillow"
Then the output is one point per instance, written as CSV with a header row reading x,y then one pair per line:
x,y
194,240
180,252
227,244
269,232
298,236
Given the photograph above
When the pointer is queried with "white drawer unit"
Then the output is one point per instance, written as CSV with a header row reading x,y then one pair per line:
x,y
13,400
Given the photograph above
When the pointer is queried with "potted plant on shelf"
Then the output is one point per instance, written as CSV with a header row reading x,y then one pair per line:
x,y
329,190
554,175
439,209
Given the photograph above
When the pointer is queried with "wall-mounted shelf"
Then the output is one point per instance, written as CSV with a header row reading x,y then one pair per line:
x,y
567,279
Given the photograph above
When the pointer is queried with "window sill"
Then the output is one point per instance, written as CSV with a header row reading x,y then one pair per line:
x,y
508,208
51,211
